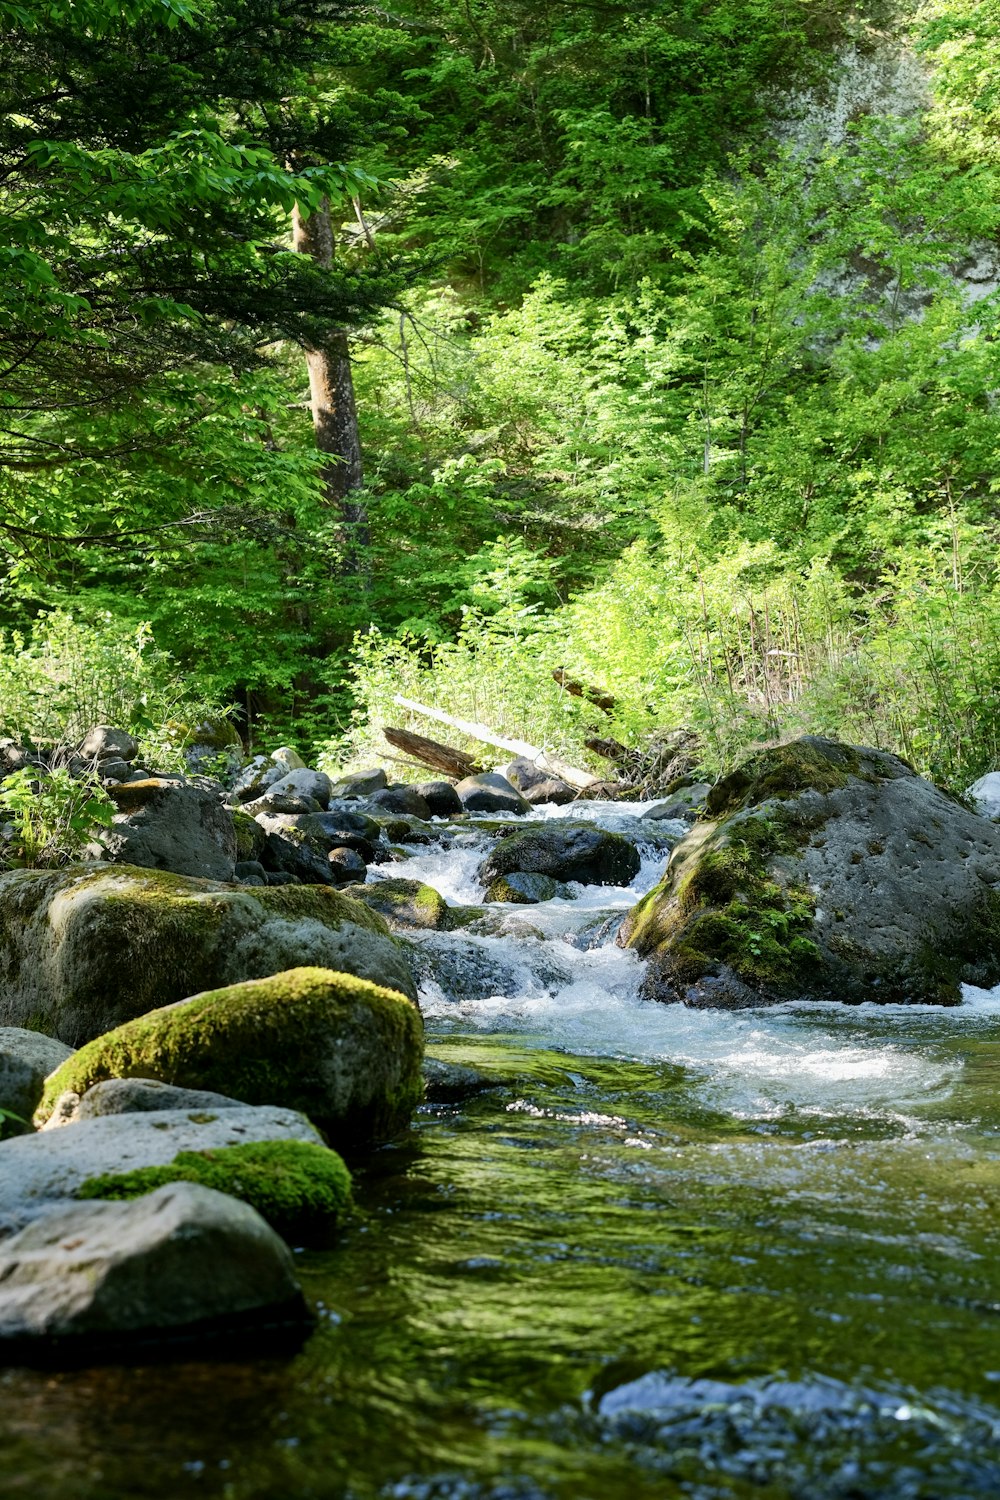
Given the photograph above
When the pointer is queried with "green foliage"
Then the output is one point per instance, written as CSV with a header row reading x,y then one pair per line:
x,y
54,815
71,675
299,1188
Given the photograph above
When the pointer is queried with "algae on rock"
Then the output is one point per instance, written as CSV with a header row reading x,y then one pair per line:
x,y
825,872
86,948
344,1052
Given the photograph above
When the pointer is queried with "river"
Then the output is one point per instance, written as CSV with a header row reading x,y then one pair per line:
x,y
670,1253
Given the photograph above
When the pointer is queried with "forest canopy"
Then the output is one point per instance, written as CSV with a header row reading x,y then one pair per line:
x,y
349,351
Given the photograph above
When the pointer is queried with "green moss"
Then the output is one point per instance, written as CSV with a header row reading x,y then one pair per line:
x,y
723,906
808,764
299,1188
341,1050
250,836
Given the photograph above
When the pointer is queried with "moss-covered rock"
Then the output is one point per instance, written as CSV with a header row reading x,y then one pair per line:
x,y
410,903
86,948
300,1189
829,872
340,1050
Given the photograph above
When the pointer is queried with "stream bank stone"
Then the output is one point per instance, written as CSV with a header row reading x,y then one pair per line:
x,y
169,824
564,850
340,1050
824,872
86,948
186,1262
26,1060
491,793
37,1171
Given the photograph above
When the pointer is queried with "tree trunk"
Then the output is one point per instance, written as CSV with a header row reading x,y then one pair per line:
x,y
331,392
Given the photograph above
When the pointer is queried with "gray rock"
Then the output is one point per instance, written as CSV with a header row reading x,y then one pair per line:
x,y
14,757
214,743
26,1060
105,743
565,851
984,795
85,948
441,798
304,783
179,1261
346,865
490,792
250,872
359,784
115,769
400,798
826,872
256,777
288,759
131,1096
38,1170
684,805
538,786
527,889
276,804
165,823
550,790
406,903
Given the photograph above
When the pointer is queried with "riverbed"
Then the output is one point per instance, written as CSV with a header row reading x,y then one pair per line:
x,y
667,1253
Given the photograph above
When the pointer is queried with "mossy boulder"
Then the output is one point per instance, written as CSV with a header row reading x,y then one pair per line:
x,y
86,948
300,1189
564,850
824,872
340,1050
406,903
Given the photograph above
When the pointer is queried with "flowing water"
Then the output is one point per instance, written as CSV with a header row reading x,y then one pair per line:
x,y
668,1253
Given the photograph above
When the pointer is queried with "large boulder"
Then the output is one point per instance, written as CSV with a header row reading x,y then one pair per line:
x,y
345,1052
490,792
85,948
406,903
37,1171
166,823
564,850
186,1265
824,872
26,1060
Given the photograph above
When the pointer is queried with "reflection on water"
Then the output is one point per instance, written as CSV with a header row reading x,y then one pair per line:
x,y
667,1253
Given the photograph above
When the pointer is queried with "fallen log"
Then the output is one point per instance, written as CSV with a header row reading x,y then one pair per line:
x,y
604,701
543,761
608,749
431,753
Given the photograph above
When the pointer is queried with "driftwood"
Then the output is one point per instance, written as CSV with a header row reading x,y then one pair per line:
x,y
543,761
430,753
604,701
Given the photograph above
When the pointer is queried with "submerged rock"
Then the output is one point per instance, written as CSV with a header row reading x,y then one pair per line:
x,y
825,872
85,948
345,1052
186,1263
564,850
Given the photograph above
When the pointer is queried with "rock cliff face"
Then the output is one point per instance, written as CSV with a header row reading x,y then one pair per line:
x,y
824,872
